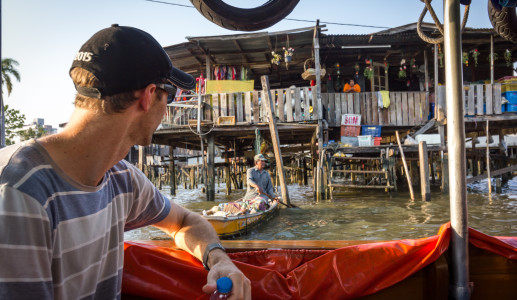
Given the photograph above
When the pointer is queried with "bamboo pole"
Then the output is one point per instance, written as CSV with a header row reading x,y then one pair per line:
x,y
488,160
424,171
408,176
275,139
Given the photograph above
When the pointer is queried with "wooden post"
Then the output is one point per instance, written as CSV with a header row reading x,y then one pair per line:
x,y
498,185
445,173
392,169
274,138
304,167
489,181
172,171
444,176
141,158
408,176
475,170
227,179
192,178
208,67
424,171
320,189
210,176
426,74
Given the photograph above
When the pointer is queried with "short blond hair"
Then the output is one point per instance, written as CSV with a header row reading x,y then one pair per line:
x,y
107,104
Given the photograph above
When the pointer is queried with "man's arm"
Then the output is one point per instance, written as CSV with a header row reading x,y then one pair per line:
x,y
193,234
251,182
269,188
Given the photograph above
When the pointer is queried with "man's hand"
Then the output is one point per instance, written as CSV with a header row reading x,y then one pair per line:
x,y
259,190
221,265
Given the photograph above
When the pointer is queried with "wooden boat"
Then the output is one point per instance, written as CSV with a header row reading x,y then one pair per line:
x,y
308,269
227,227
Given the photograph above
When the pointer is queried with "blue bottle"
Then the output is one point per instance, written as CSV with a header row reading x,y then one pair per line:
x,y
224,288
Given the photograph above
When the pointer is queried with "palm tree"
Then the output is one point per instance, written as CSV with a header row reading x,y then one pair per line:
x,y
8,69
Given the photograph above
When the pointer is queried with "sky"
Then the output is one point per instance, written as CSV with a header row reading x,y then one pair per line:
x,y
43,36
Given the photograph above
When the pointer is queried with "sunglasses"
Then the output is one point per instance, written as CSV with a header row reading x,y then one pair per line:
x,y
170,89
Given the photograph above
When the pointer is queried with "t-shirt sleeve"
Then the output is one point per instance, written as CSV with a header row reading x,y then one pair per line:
x,y
149,206
25,247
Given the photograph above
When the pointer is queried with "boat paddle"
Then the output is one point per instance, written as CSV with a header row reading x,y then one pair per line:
x,y
278,199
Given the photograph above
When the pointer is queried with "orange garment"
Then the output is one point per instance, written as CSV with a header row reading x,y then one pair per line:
x,y
356,88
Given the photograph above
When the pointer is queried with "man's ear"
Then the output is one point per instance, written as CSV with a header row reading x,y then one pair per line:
x,y
145,97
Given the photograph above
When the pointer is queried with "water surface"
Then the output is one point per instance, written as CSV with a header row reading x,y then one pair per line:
x,y
363,215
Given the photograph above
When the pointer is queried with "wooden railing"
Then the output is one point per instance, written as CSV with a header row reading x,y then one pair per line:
x,y
478,100
299,105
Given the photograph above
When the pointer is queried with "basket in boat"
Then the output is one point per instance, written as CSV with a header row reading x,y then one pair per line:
x,y
310,73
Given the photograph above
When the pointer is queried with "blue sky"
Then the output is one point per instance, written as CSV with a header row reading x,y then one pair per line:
x,y
44,35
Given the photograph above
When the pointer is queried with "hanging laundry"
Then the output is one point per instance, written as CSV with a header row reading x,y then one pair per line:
x,y
385,98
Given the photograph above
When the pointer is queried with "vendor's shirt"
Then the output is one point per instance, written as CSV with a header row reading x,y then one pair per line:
x,y
356,88
260,178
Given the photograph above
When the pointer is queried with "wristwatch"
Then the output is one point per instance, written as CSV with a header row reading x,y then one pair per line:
x,y
209,248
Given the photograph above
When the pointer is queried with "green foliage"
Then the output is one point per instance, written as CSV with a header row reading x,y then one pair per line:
x,y
31,133
8,70
14,120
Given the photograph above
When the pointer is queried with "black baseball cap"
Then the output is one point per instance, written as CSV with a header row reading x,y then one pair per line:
x,y
126,59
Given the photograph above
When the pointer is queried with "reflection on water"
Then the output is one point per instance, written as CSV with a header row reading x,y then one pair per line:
x,y
363,215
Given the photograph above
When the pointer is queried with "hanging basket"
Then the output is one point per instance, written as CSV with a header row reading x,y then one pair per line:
x,y
310,73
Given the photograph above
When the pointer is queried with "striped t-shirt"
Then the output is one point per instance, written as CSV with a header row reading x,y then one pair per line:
x,y
61,239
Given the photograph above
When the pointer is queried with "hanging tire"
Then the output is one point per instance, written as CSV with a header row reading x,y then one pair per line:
x,y
244,19
504,20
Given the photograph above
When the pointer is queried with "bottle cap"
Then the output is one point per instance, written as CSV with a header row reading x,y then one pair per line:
x,y
224,285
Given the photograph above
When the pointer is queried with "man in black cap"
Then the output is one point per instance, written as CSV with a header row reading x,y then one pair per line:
x,y
66,199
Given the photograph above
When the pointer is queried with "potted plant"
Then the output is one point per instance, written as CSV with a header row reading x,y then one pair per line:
x,y
288,54
276,58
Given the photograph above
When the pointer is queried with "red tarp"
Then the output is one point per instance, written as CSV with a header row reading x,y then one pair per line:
x,y
349,272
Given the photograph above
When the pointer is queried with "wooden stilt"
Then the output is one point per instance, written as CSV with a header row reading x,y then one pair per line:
x,y
424,172
489,181
141,158
210,169
445,174
192,178
172,172
498,185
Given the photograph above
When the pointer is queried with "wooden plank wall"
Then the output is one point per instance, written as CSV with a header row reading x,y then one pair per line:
x,y
478,99
405,108
299,105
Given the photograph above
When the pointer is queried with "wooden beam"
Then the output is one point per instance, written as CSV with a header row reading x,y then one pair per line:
x,y
238,46
492,173
274,137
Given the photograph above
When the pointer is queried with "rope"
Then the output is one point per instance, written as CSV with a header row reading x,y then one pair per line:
x,y
429,8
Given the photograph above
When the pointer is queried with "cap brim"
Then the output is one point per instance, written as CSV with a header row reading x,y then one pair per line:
x,y
182,80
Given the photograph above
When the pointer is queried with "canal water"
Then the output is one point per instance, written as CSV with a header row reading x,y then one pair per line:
x,y
362,215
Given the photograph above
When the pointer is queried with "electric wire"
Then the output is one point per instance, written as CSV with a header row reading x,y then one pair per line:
x,y
287,19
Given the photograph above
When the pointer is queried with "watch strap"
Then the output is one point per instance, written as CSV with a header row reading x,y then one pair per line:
x,y
209,248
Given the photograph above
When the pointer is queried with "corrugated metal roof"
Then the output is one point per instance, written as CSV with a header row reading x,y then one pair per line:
x,y
253,50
